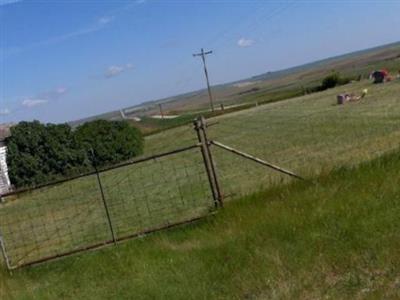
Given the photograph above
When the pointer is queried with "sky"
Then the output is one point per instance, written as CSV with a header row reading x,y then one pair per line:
x,y
65,60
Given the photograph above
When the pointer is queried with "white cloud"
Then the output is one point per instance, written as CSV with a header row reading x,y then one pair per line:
x,y
29,102
7,2
4,111
245,42
116,70
44,97
61,90
106,20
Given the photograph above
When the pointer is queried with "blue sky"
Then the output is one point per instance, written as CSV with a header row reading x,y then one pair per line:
x,y
63,60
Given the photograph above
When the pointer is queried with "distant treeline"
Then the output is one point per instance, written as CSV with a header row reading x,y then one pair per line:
x,y
39,153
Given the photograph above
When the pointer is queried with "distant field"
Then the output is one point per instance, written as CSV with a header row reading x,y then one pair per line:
x,y
308,134
272,85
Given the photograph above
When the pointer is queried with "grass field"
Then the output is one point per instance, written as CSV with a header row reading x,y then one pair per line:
x,y
335,238
309,135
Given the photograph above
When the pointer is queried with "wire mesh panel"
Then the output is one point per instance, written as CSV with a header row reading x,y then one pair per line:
x,y
90,211
308,135
171,139
53,220
239,176
157,193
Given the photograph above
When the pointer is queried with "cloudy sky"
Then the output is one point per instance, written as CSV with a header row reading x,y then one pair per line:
x,y
64,60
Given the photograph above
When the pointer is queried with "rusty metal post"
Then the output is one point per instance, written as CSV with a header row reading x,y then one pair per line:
x,y
256,159
213,166
200,125
197,128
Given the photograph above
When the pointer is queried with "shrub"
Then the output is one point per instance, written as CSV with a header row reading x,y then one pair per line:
x,y
330,81
333,80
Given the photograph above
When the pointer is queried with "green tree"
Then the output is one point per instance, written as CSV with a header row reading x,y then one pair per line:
x,y
39,153
111,142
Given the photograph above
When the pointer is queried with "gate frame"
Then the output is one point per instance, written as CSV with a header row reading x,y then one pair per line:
x,y
115,240
200,126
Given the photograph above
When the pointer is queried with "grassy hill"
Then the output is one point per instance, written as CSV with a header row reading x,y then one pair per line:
x,y
309,135
335,238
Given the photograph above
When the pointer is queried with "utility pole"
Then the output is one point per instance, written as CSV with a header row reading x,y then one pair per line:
x,y
203,57
161,111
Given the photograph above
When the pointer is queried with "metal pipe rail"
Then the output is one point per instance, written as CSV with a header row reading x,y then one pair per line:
x,y
256,159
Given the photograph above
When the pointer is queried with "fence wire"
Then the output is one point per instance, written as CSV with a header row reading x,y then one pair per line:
x,y
308,135
61,219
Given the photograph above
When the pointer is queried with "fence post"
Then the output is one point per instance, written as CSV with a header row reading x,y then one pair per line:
x,y
103,198
200,127
4,253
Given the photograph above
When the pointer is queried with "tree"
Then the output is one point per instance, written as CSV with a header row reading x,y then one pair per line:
x,y
111,142
38,153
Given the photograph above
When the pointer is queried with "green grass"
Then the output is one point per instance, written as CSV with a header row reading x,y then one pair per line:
x,y
336,238
309,134
150,126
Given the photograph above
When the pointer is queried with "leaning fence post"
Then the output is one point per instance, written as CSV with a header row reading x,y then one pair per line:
x,y
199,126
103,198
220,197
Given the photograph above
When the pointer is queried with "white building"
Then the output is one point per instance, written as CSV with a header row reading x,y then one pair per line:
x,y
5,184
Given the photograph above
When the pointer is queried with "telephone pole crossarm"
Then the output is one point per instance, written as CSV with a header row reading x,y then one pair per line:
x,y
203,57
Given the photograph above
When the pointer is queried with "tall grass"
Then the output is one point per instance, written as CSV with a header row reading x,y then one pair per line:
x,y
336,238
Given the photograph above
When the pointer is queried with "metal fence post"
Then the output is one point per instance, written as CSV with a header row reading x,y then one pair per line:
x,y
103,198
213,166
200,127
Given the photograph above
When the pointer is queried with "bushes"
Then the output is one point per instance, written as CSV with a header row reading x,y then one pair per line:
x,y
39,153
333,80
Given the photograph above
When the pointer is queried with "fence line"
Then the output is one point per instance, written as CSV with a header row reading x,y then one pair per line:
x,y
180,185
65,217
